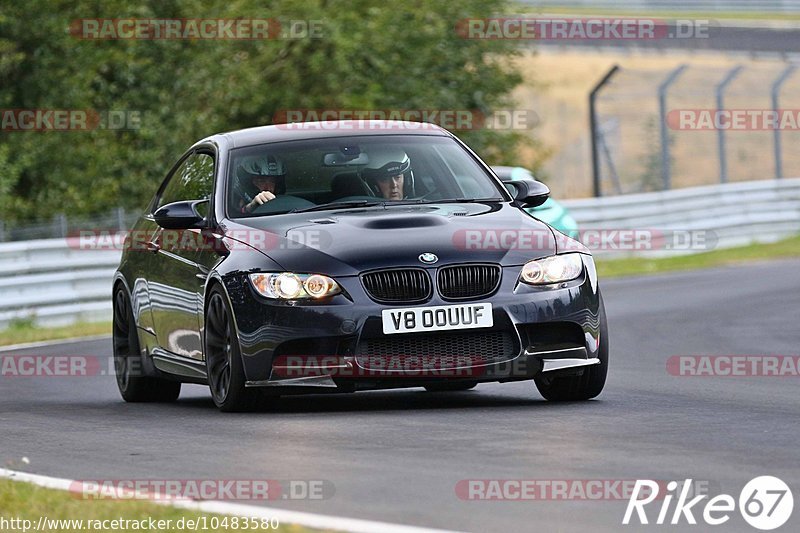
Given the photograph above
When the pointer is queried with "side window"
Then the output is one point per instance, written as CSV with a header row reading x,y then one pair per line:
x,y
192,180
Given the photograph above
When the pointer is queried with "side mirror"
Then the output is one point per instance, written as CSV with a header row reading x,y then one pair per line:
x,y
528,192
180,215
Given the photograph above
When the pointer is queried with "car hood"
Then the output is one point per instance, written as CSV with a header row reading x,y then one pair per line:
x,y
347,242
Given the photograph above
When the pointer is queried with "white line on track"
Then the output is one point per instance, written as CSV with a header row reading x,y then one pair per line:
x,y
284,516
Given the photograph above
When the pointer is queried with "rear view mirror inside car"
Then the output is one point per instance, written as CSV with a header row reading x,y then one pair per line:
x,y
342,158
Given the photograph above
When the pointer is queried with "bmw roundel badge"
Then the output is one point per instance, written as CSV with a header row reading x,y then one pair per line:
x,y
428,258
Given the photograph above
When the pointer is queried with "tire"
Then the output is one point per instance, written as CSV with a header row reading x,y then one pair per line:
x,y
451,387
583,387
133,385
226,378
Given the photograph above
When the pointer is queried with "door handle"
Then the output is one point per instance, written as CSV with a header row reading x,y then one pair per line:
x,y
152,246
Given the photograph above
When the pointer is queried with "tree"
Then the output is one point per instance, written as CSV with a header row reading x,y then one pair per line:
x,y
403,54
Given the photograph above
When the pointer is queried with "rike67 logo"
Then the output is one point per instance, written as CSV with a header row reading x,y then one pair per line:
x,y
766,503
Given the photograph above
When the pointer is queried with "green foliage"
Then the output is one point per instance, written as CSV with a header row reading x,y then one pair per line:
x,y
634,266
59,508
21,323
372,54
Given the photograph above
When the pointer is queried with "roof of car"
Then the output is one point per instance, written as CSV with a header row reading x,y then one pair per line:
x,y
318,130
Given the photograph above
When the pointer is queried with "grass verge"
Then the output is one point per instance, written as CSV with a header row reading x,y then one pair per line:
x,y
611,268
63,510
24,331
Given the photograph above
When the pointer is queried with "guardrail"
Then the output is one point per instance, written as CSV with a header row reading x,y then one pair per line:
x,y
728,215
52,283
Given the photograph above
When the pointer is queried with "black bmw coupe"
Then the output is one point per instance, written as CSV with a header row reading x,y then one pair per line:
x,y
338,257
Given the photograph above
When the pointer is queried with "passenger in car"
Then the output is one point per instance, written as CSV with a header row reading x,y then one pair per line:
x,y
385,173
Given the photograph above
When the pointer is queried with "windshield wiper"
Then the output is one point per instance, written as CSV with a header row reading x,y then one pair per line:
x,y
410,201
336,205
422,201
466,200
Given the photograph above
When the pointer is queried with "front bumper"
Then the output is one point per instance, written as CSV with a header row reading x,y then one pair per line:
x,y
302,347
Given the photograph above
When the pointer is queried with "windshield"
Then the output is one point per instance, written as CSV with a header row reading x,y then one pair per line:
x,y
353,172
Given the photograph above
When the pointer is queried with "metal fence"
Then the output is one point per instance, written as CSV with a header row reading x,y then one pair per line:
x,y
693,124
50,282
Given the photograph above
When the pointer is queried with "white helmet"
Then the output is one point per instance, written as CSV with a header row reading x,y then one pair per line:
x,y
386,162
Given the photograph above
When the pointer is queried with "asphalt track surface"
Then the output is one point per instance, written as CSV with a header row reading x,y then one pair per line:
x,y
397,456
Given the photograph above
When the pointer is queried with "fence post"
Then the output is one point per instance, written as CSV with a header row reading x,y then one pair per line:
x,y
60,225
121,219
776,90
593,127
723,162
666,170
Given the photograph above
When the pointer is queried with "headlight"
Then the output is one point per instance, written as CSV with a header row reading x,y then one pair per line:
x,y
555,269
290,286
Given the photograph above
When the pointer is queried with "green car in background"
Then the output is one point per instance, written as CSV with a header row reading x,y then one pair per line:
x,y
550,212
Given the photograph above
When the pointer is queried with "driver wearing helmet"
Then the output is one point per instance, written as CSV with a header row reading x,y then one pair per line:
x,y
386,173
265,176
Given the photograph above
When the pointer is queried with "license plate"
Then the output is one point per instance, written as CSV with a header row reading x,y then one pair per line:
x,y
416,319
